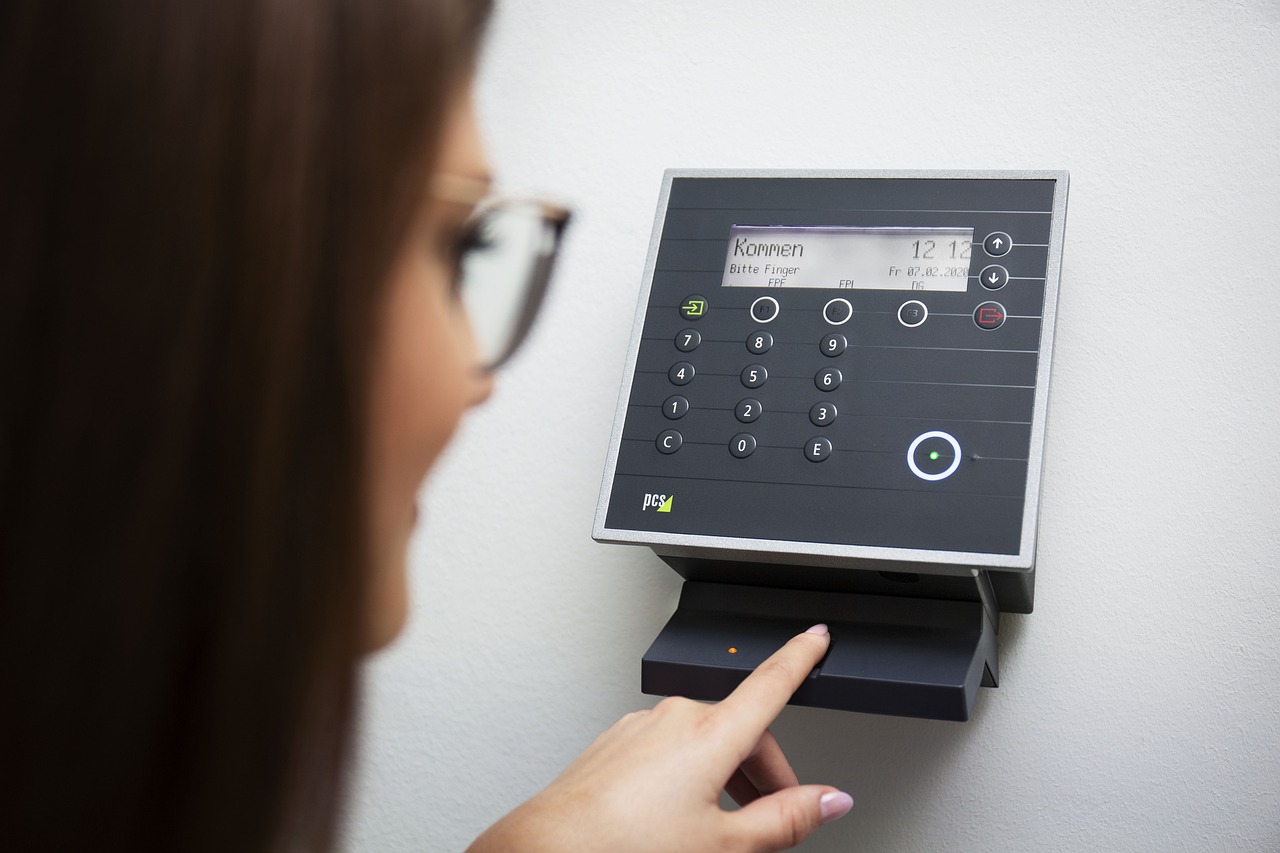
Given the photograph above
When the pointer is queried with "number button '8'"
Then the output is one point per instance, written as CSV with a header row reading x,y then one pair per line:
x,y
759,342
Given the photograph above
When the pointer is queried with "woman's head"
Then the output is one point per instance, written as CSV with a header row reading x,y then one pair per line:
x,y
206,211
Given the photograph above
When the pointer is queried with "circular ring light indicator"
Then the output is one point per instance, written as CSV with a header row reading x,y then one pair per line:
x,y
843,311
941,475
765,309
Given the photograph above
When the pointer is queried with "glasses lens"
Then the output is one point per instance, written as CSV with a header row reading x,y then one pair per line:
x,y
500,271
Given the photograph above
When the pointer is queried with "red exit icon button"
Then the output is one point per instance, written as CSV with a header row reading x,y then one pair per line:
x,y
989,315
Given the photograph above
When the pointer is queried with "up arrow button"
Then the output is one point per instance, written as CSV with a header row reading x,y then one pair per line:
x,y
997,244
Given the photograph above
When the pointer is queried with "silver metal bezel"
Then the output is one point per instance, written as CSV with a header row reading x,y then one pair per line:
x,y
850,556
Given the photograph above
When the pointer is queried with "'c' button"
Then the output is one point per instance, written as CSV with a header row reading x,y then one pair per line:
x,y
669,442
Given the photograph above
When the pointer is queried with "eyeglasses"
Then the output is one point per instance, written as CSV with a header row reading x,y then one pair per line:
x,y
507,252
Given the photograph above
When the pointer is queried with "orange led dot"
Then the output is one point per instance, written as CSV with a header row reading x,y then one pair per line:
x,y
733,650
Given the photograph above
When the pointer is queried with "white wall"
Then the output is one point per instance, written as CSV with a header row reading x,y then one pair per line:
x,y
1138,706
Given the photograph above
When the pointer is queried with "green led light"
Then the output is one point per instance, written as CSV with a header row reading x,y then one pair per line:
x,y
934,456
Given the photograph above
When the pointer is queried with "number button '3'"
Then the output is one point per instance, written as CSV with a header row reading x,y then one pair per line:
x,y
823,414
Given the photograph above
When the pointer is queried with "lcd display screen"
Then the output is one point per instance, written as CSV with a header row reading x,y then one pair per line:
x,y
841,258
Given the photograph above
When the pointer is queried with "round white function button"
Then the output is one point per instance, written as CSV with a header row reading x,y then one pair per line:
x,y
837,312
921,439
912,313
765,309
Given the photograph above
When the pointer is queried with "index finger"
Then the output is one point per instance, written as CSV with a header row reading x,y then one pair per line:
x,y
758,700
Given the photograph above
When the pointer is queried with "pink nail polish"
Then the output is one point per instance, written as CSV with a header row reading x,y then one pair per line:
x,y
834,805
819,629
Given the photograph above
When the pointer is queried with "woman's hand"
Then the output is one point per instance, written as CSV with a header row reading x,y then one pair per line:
x,y
652,782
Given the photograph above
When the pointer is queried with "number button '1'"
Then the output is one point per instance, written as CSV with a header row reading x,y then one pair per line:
x,y
675,407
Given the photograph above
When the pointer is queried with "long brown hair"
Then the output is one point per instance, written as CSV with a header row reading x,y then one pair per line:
x,y
199,202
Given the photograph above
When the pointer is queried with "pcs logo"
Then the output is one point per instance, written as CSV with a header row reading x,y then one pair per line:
x,y
657,503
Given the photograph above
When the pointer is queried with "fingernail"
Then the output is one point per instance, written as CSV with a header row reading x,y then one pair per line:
x,y
834,805
819,629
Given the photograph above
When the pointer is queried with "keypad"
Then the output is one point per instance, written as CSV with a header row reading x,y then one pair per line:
x,y
782,354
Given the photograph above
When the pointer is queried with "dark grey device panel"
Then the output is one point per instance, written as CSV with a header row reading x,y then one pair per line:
x,y
841,368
